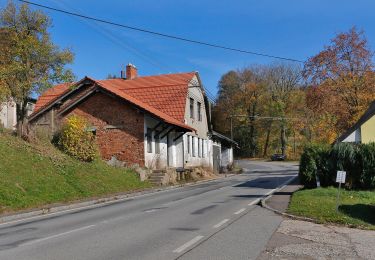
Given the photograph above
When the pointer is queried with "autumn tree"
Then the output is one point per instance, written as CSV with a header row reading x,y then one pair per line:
x,y
283,82
258,100
341,80
32,61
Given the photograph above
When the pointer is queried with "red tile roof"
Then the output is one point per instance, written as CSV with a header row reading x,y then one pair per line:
x,y
162,95
51,95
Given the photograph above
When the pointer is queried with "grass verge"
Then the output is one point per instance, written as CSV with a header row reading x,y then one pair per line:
x,y
357,208
32,175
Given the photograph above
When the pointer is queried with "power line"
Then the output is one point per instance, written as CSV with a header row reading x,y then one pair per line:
x,y
162,34
268,117
117,41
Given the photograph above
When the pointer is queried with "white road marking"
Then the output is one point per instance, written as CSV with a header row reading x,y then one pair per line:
x,y
58,235
188,244
221,223
240,211
254,202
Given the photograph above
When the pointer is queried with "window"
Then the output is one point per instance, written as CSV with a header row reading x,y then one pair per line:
x,y
199,109
157,142
149,140
191,108
199,148
188,144
203,148
193,146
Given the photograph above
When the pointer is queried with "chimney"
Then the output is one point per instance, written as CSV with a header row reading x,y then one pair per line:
x,y
131,71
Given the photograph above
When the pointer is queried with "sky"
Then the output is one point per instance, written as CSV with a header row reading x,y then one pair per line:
x,y
295,29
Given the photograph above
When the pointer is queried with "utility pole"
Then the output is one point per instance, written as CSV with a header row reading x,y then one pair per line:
x,y
231,127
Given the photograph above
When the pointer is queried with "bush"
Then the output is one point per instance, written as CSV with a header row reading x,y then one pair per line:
x,y
76,141
366,161
358,160
313,163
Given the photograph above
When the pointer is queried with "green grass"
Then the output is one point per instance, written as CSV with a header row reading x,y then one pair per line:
x,y
32,175
357,208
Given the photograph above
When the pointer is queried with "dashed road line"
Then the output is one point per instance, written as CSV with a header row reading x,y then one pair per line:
x,y
58,235
240,211
221,223
188,244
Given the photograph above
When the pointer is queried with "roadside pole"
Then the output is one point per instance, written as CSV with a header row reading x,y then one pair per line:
x,y
340,178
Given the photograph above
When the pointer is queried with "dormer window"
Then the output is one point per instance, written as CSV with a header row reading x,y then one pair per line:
x,y
192,108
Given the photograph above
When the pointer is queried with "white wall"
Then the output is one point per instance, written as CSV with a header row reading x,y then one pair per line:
x,y
195,92
226,156
354,137
8,114
201,154
154,160
201,157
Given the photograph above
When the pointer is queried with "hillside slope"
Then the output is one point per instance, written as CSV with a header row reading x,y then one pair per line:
x,y
32,175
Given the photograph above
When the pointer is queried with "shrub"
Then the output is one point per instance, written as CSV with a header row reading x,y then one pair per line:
x,y
313,163
366,161
76,141
344,157
358,160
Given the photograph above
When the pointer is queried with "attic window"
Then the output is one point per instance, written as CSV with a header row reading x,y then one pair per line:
x,y
191,108
199,110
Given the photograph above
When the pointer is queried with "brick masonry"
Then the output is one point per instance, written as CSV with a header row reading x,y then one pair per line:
x,y
119,127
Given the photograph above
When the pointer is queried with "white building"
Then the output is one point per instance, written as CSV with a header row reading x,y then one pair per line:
x,y
167,147
8,115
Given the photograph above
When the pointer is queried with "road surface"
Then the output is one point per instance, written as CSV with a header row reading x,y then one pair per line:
x,y
214,220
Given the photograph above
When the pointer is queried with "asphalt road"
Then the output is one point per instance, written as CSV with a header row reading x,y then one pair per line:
x,y
215,220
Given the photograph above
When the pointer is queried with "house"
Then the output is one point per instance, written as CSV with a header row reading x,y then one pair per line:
x,y
153,121
8,113
363,131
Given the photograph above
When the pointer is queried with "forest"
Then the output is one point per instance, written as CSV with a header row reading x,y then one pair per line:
x,y
281,107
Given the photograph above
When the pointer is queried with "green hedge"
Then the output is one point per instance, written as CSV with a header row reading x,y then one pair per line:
x,y
358,160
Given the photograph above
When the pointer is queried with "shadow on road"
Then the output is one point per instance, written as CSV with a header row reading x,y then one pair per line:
x,y
264,183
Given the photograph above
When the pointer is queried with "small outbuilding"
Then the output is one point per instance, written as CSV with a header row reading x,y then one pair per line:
x,y
222,152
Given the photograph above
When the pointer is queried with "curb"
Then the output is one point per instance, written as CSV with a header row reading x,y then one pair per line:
x,y
263,204
95,203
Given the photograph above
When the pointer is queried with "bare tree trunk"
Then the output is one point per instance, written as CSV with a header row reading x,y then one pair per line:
x,y
21,111
267,139
283,138
253,131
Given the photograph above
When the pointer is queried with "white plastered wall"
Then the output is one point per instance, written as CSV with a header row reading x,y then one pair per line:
x,y
8,114
154,160
202,152
354,137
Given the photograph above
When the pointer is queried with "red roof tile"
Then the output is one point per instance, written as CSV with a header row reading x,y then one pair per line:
x,y
50,95
166,93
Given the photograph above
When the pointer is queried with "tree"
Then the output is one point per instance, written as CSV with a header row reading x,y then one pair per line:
x,y
342,80
255,92
283,81
32,62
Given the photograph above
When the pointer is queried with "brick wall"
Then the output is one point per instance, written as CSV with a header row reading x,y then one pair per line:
x,y
120,127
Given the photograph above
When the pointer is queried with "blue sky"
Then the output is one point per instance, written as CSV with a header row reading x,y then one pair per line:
x,y
291,28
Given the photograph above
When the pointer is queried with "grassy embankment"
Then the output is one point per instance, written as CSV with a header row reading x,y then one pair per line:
x,y
357,208
33,175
